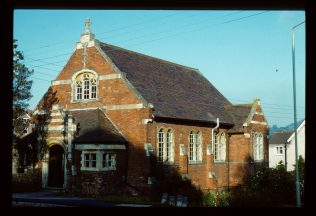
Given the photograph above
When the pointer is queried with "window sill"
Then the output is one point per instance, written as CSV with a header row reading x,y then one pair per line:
x,y
86,101
195,162
219,161
98,169
166,162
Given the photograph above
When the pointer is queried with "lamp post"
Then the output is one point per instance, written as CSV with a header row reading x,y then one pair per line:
x,y
297,183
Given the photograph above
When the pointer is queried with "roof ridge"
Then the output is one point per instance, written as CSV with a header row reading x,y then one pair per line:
x,y
241,105
148,56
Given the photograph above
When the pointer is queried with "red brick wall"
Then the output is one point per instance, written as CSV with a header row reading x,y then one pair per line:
x,y
238,159
241,150
129,122
198,173
111,92
92,182
95,61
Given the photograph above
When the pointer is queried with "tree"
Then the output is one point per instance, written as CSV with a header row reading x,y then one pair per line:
x,y
21,94
21,90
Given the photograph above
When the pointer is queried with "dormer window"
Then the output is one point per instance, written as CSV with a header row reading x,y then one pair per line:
x,y
85,86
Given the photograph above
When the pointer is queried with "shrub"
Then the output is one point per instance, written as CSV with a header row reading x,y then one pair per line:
x,y
169,181
217,199
267,187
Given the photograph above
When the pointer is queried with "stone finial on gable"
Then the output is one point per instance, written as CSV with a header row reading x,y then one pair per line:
x,y
86,38
87,24
257,101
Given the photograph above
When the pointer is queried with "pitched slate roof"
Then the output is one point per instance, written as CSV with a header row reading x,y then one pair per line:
x,y
239,114
95,127
280,137
176,91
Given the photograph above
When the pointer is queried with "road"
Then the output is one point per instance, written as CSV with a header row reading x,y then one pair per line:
x,y
53,199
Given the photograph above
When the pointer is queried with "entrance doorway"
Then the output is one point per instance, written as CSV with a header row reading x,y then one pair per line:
x,y
56,167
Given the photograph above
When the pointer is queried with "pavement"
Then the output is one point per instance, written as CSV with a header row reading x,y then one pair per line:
x,y
54,199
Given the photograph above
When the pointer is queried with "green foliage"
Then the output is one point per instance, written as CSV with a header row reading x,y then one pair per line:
x,y
21,89
217,199
267,187
301,171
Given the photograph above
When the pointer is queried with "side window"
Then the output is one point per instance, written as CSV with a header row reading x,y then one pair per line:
x,y
98,160
191,146
161,143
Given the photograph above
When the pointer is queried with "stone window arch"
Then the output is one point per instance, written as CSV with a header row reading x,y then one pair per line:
x,y
85,85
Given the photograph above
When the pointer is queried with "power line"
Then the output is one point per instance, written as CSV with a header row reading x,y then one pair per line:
x,y
101,33
280,117
46,63
44,74
280,105
129,26
169,35
172,28
41,79
33,66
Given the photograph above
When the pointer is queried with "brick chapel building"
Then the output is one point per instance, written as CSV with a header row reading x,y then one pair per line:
x,y
118,109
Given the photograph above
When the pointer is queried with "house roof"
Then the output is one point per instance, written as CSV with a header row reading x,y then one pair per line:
x,y
176,91
298,129
95,127
239,115
280,137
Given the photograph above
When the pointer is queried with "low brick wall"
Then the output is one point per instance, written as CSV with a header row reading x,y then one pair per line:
x,y
31,180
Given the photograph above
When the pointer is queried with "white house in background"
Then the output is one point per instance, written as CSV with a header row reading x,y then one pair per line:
x,y
277,147
282,147
300,146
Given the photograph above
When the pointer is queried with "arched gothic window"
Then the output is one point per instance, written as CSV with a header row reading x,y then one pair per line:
x,y
220,147
258,146
85,86
161,141
195,146
198,146
191,146
165,145
169,147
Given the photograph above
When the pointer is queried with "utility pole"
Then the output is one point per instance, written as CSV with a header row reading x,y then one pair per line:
x,y
297,183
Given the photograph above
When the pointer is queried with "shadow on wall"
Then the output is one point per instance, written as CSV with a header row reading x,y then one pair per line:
x,y
31,147
168,180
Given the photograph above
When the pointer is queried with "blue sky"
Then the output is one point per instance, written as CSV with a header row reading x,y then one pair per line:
x,y
244,54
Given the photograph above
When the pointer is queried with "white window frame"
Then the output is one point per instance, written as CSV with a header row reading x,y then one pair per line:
x,y
198,147
161,145
165,146
216,147
85,86
220,143
195,149
170,146
278,149
90,160
109,161
99,160
258,150
192,156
